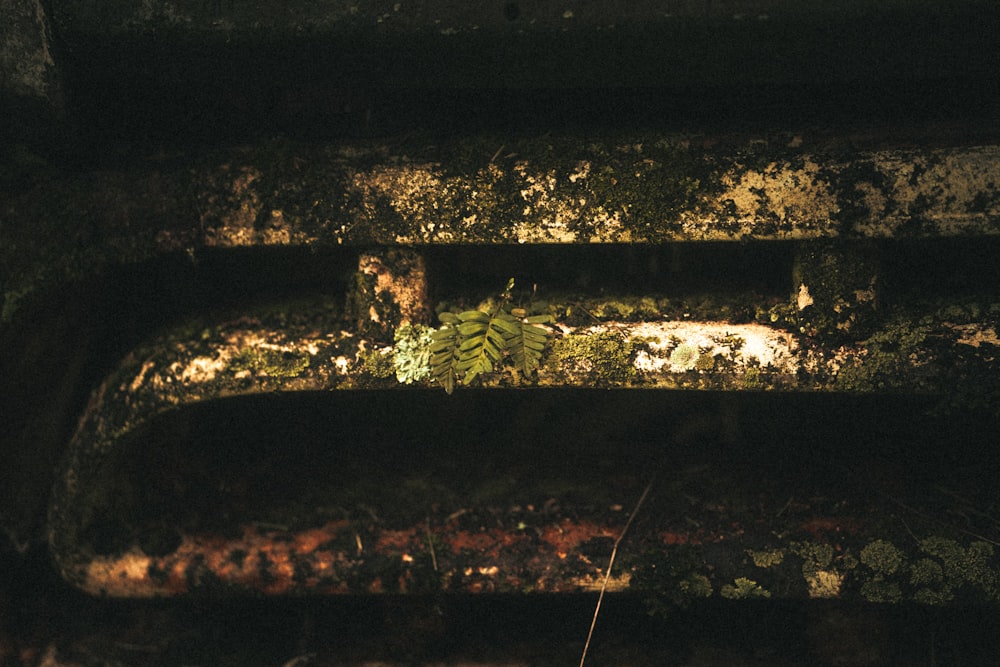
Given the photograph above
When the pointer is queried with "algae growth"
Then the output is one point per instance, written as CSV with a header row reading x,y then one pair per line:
x,y
270,362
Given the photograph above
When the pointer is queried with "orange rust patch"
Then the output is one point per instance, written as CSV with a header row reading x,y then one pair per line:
x,y
464,540
396,540
568,535
489,543
309,541
266,562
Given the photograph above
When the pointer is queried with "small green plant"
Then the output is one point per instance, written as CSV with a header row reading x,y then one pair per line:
x,y
476,342
743,589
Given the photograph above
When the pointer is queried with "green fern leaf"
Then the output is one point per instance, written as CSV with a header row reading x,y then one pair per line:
x,y
526,348
474,342
443,352
474,316
507,325
483,346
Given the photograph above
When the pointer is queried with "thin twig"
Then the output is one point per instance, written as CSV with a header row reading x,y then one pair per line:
x,y
430,545
607,574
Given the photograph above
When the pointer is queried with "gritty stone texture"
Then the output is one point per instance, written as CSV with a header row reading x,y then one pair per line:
x,y
543,190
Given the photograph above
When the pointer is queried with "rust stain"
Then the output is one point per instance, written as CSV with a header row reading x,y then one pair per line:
x,y
327,560
395,540
324,560
568,535
490,543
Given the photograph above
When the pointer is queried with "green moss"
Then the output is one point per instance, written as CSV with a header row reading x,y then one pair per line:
x,y
705,362
649,188
378,363
767,558
964,566
671,578
889,352
270,362
815,555
695,586
743,589
752,378
883,557
927,578
12,299
885,560
627,309
784,314
933,596
606,357
935,578
878,589
926,571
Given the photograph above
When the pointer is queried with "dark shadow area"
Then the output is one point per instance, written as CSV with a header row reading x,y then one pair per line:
x,y
41,616
674,269
948,268
686,74
395,459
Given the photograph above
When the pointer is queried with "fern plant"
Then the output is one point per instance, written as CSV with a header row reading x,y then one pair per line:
x,y
475,342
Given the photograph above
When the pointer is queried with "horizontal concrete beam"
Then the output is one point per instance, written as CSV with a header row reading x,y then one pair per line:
x,y
644,189
105,541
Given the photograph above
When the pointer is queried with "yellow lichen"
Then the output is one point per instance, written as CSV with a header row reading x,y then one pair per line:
x,y
769,558
825,584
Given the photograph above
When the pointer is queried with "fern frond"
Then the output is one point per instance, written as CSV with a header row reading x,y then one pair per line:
x,y
474,342
508,325
443,352
484,344
527,346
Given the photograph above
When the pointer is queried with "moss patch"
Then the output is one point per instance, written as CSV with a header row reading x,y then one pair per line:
x,y
743,589
767,558
270,362
602,357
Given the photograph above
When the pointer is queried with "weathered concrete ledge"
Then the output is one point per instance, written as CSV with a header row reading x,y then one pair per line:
x,y
304,348
643,189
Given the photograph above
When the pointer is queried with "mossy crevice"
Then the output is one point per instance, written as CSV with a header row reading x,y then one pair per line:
x,y
600,358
